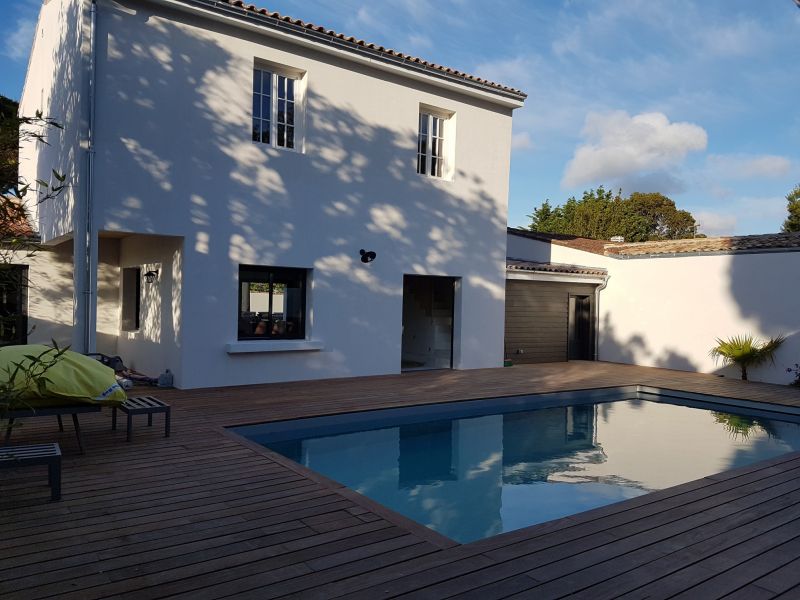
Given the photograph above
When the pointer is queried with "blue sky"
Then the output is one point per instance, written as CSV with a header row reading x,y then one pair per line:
x,y
695,99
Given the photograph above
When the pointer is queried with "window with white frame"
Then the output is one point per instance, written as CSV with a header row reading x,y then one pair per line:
x,y
275,108
432,144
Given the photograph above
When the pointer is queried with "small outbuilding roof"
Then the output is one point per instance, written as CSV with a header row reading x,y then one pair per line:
x,y
516,264
560,239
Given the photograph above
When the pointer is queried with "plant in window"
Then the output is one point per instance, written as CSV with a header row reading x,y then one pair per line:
x,y
745,351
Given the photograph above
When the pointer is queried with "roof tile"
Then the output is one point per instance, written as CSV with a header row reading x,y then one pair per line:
x,y
516,264
381,49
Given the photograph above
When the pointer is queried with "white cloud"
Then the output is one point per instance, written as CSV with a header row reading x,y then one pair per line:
x,y
418,42
714,224
741,38
19,39
618,145
743,215
521,141
744,166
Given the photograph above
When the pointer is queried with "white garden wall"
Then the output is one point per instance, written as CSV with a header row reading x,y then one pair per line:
x,y
667,311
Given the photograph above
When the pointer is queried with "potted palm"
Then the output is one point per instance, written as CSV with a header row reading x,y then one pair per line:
x,y
746,351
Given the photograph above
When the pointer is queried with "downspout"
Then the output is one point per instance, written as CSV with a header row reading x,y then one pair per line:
x,y
597,291
90,262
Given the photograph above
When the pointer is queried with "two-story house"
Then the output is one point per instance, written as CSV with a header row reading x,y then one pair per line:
x,y
254,198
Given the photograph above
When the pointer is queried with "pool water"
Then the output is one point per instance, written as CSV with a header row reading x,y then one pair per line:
x,y
475,476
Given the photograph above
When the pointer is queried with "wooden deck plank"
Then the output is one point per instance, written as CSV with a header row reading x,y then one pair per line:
x,y
201,515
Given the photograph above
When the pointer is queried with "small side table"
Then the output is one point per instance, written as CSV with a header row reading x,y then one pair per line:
x,y
142,405
41,454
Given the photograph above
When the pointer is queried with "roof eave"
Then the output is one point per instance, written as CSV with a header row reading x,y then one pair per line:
x,y
323,42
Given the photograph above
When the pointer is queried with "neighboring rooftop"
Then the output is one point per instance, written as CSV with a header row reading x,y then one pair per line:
x,y
767,242
738,243
324,35
560,239
517,264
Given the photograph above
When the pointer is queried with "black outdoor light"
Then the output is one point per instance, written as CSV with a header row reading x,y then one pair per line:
x,y
151,276
367,256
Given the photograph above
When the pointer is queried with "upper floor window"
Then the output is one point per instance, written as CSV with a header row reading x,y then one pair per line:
x,y
272,303
434,142
274,108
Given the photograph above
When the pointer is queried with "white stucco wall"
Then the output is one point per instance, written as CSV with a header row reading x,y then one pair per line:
x,y
50,297
156,345
54,85
668,311
175,158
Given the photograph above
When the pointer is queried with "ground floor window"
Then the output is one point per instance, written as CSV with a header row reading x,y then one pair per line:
x,y
272,303
13,305
131,298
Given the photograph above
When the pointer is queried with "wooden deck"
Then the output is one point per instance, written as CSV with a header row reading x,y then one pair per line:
x,y
201,515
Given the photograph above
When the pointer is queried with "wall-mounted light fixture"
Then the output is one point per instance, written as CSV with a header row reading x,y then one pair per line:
x,y
367,256
151,276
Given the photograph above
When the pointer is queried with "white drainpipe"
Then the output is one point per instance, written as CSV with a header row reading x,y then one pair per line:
x,y
90,240
597,291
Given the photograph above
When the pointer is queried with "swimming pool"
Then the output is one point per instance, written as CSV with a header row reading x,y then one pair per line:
x,y
474,469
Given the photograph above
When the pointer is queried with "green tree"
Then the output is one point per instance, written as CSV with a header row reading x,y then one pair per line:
x,y
745,351
601,214
9,144
792,222
16,194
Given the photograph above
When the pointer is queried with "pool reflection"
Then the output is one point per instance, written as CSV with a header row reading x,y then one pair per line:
x,y
474,477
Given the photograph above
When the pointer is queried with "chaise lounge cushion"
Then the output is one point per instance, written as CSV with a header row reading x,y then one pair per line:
x,y
73,379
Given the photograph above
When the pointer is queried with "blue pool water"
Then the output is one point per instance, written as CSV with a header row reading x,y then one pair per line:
x,y
492,470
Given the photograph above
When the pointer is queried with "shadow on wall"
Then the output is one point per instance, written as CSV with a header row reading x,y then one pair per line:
x,y
238,202
635,350
59,98
766,289
50,296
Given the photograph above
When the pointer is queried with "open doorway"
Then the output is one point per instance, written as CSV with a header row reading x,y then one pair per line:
x,y
427,322
580,328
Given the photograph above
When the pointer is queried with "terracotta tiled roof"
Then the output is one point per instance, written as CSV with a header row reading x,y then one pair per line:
x,y
13,223
742,243
739,243
300,27
516,264
570,241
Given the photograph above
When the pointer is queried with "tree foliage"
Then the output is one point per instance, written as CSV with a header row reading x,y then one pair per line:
x,y
601,214
17,194
792,222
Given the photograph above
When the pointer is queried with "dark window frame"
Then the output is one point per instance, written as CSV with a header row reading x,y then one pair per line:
x,y
270,274
131,323
16,278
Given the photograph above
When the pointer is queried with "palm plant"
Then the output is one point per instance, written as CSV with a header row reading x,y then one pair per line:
x,y
745,351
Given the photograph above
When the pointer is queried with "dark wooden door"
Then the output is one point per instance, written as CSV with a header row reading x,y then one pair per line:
x,y
580,328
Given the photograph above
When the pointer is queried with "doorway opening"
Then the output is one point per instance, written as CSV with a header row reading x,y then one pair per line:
x,y
580,328
428,304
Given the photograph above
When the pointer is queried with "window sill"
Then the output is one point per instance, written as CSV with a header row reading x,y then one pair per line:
x,y
251,346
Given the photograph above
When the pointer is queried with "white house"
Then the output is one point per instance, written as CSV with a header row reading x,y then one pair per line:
x,y
660,304
227,168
